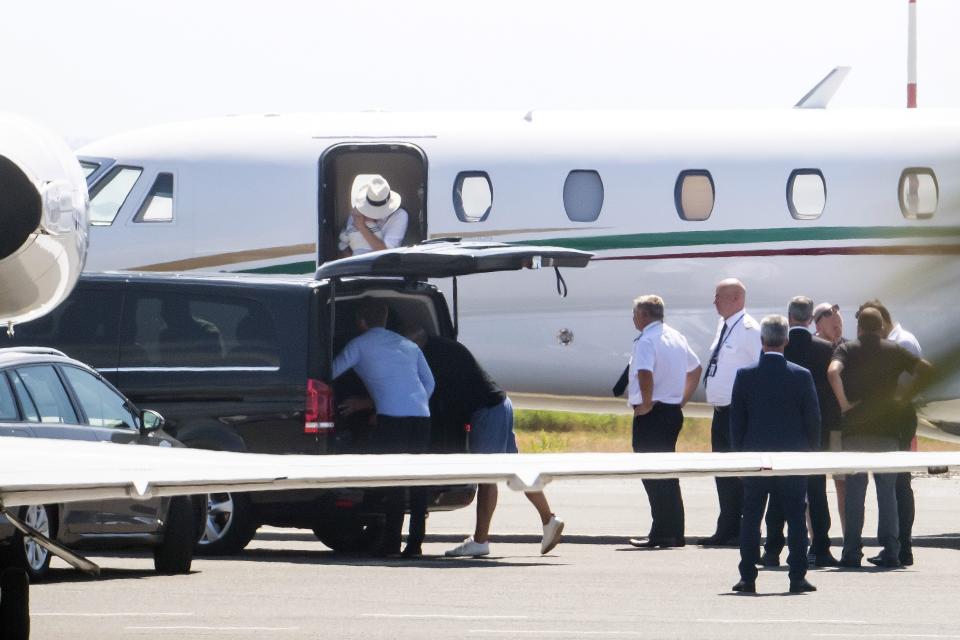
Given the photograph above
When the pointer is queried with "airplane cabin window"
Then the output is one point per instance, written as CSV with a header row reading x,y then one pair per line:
x,y
158,205
472,196
806,194
110,193
88,167
919,193
694,194
583,195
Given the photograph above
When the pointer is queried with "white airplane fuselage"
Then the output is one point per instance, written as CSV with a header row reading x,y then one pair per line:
x,y
248,192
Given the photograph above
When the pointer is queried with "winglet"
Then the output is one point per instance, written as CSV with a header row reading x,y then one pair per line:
x,y
820,95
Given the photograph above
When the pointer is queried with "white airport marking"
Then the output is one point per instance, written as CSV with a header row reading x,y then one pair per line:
x,y
883,635
558,632
779,621
215,628
441,616
57,614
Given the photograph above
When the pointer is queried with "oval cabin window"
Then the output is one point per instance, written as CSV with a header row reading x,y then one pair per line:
x,y
472,196
919,193
806,194
583,195
694,194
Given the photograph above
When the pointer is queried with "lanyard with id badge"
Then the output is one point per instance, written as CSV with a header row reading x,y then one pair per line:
x,y
715,356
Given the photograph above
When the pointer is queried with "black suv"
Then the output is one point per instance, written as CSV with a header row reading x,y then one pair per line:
x,y
242,363
44,394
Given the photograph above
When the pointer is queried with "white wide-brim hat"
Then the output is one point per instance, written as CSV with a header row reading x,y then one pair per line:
x,y
375,199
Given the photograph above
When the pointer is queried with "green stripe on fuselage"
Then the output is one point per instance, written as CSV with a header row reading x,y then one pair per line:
x,y
742,236
697,238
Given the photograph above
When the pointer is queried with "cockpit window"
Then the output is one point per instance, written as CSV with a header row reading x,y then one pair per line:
x,y
158,205
109,194
88,167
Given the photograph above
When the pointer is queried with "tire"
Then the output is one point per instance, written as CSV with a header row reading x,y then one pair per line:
x,y
14,605
229,525
24,553
349,536
175,553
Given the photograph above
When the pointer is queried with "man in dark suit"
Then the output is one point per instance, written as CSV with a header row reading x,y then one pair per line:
x,y
813,354
774,408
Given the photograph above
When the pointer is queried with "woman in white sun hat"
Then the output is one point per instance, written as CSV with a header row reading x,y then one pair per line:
x,y
376,222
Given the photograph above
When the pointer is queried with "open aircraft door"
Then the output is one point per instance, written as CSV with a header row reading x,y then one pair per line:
x,y
403,165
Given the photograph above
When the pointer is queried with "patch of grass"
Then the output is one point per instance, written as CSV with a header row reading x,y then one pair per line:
x,y
566,432
561,431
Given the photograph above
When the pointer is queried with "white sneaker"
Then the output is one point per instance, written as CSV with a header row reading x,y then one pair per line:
x,y
469,548
551,534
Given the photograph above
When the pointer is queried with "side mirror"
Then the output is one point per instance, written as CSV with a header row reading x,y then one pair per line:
x,y
150,421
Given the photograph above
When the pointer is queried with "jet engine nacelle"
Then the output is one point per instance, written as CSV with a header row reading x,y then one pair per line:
x,y
43,220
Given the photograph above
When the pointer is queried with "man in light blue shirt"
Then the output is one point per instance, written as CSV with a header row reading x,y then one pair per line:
x,y
400,383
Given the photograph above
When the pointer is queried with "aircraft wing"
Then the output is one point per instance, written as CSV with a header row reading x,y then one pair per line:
x,y
39,471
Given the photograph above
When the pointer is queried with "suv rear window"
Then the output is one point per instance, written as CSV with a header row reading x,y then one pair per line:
x,y
177,330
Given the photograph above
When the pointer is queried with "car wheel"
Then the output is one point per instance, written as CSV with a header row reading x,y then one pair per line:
x,y
175,553
229,524
349,535
25,553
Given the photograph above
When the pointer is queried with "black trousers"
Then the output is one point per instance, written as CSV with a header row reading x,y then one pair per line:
x,y
905,507
819,519
402,435
729,490
790,492
657,432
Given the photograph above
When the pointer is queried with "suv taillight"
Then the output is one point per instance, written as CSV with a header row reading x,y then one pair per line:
x,y
319,414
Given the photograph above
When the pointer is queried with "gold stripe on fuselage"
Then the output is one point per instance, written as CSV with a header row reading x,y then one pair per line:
x,y
234,257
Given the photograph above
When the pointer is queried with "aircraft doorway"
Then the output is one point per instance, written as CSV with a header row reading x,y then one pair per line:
x,y
404,166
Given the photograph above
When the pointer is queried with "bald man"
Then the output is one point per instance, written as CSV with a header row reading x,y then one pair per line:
x,y
736,345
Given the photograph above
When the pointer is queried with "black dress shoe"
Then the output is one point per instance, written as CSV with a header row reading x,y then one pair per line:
x,y
825,559
885,562
801,586
412,551
849,563
769,560
663,543
745,587
906,559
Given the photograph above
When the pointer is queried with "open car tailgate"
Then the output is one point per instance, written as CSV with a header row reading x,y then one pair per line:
x,y
448,258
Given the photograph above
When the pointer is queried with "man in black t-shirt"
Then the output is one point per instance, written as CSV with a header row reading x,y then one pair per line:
x,y
466,394
863,375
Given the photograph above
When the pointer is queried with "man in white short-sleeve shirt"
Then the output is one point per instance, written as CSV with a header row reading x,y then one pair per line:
x,y
736,345
663,374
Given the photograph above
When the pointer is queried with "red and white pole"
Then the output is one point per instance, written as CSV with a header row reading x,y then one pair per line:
x,y
912,56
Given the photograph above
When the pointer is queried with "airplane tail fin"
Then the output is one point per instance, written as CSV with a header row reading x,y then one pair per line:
x,y
820,95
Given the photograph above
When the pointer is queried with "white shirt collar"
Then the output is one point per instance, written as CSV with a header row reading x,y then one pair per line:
x,y
732,320
774,353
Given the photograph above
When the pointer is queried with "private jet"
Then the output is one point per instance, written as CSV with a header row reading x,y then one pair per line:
x,y
841,205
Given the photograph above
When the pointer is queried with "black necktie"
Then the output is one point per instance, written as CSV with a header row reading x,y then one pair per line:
x,y
716,353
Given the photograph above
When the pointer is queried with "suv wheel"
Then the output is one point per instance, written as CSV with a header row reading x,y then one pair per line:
x,y
229,526
25,553
349,535
175,553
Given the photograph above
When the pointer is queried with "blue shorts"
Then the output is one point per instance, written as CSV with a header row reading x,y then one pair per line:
x,y
491,429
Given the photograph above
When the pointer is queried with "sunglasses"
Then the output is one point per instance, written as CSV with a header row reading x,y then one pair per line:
x,y
826,314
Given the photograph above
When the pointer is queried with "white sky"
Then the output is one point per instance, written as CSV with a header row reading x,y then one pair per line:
x,y
94,67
